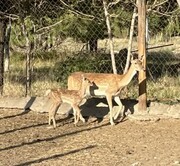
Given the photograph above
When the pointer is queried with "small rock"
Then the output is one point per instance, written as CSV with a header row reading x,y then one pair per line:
x,y
177,162
135,164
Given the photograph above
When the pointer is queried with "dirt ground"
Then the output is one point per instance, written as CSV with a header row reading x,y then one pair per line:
x,y
25,139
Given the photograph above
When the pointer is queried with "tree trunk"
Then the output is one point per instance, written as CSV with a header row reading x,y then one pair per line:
x,y
110,37
28,59
6,47
178,1
93,45
142,106
2,38
130,40
49,41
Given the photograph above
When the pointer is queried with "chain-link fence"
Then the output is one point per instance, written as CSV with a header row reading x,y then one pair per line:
x,y
46,40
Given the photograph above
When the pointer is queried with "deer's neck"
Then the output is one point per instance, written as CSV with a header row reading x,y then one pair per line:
x,y
82,91
127,77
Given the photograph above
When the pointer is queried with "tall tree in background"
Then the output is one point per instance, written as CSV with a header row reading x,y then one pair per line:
x,y
2,39
27,14
3,19
178,1
110,36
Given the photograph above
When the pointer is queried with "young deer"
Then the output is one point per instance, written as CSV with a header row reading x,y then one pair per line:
x,y
72,97
108,85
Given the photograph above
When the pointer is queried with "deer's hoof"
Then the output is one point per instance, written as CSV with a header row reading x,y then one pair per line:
x,y
83,120
112,123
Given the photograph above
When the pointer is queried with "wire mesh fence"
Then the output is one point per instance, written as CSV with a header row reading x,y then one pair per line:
x,y
46,40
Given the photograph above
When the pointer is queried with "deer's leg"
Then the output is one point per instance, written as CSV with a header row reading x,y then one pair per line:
x,y
109,100
80,115
50,114
54,122
53,113
118,101
77,115
49,121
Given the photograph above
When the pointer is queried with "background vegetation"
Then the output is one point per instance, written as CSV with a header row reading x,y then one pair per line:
x,y
60,38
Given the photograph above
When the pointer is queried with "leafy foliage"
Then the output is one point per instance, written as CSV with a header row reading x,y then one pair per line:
x,y
84,20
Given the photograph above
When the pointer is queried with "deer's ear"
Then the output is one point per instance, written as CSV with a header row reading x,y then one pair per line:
x,y
83,78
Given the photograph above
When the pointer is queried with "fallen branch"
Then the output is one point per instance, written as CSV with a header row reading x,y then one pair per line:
x,y
150,48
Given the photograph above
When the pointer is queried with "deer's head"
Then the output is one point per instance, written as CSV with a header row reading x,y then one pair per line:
x,y
85,85
86,81
137,63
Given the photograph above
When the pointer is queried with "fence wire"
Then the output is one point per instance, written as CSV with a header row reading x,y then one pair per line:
x,y
58,37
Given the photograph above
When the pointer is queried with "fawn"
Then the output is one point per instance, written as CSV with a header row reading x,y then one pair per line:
x,y
72,97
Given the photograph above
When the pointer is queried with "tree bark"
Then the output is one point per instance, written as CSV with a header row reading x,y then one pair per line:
x,y
28,59
142,106
178,1
6,47
2,38
130,40
110,37
93,45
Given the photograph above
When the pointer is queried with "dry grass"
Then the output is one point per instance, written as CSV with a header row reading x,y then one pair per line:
x,y
166,88
43,78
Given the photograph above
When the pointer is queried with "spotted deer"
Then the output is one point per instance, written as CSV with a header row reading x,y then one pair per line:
x,y
72,97
107,85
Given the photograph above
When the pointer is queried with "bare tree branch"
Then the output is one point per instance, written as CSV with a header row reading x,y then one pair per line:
x,y
155,5
11,16
113,3
168,14
49,26
159,4
75,11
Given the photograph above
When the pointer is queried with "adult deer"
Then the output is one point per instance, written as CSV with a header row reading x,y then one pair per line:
x,y
108,85
72,97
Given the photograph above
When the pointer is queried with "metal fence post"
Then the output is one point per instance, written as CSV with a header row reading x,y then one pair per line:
x,y
142,52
